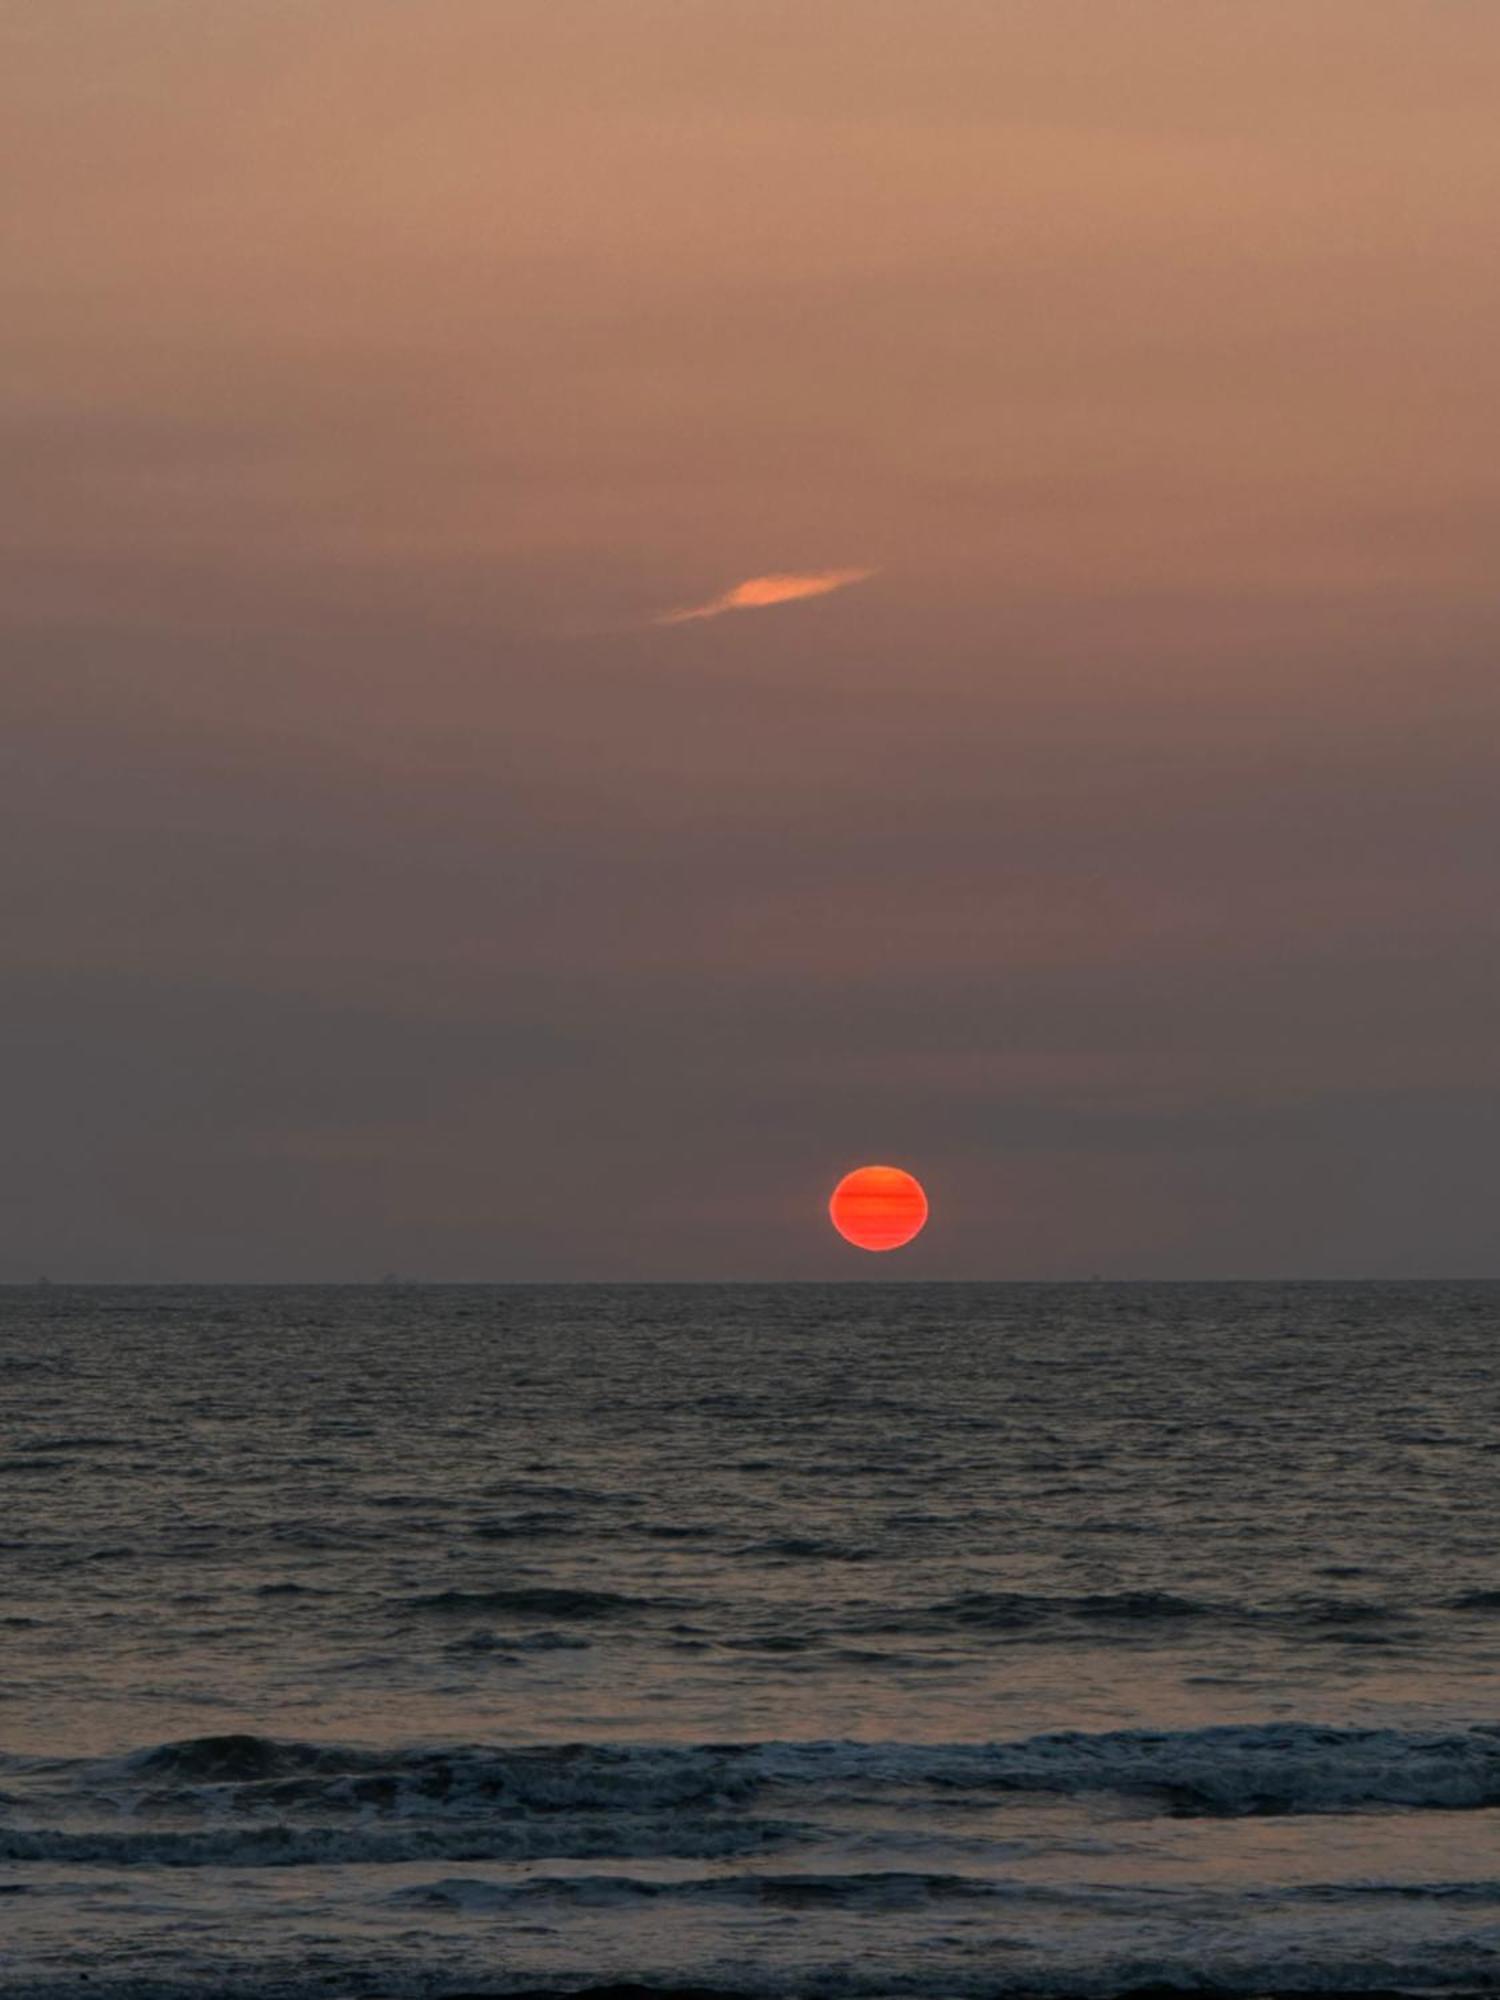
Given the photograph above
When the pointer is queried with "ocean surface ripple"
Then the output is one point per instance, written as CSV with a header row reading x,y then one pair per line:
x,y
867,1640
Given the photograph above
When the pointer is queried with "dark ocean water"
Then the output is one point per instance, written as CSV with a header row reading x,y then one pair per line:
x,y
933,1640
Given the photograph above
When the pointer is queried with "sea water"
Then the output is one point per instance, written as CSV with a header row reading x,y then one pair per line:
x,y
865,1639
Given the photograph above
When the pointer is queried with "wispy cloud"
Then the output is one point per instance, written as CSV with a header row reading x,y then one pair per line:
x,y
758,591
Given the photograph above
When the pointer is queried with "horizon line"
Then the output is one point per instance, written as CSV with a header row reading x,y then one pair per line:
x,y
412,1284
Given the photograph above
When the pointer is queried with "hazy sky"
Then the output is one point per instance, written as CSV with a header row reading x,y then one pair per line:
x,y
385,885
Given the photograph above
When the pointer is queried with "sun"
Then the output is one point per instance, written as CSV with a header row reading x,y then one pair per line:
x,y
878,1208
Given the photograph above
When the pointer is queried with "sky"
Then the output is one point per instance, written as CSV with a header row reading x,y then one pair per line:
x,y
393,876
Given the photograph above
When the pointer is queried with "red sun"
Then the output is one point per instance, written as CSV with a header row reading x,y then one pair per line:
x,y
878,1208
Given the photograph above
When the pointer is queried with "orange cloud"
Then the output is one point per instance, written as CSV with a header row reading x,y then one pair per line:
x,y
761,590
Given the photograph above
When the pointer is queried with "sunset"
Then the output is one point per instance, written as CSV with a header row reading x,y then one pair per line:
x,y
878,1208
445,446
749,1235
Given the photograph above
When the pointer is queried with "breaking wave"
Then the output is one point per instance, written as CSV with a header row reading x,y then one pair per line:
x,y
257,1801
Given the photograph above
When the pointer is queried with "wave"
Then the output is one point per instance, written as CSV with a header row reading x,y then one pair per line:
x,y
532,1524
284,1800
510,1645
805,1548
869,1889
1269,1973
889,1889
283,1845
534,1601
1017,1611
83,1441
1477,1600
254,1773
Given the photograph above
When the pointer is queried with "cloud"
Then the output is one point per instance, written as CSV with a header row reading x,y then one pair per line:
x,y
779,588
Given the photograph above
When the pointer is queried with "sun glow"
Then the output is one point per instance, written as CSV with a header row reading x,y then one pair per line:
x,y
878,1208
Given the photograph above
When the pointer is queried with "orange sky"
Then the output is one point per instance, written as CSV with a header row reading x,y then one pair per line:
x,y
1119,855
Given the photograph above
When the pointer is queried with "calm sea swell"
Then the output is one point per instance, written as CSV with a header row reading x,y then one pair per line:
x,y
802,1641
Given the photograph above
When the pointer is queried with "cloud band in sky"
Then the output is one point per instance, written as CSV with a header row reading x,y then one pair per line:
x,y
757,591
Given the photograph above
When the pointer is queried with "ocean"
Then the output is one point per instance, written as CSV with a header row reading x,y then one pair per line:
x,y
864,1639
